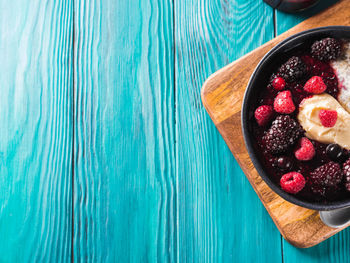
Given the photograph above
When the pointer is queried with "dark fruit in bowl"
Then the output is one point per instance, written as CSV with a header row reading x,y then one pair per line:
x,y
294,69
329,174
283,134
283,163
307,168
335,152
326,49
346,172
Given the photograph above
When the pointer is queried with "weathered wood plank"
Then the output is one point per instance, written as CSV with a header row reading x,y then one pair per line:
x,y
220,216
36,131
124,184
335,249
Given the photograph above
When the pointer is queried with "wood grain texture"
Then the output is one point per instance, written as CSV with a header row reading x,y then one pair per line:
x,y
220,218
124,151
335,249
36,131
222,96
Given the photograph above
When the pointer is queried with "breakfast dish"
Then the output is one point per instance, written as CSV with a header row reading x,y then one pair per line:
x,y
301,123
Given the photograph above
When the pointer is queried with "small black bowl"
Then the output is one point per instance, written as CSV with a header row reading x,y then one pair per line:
x,y
275,57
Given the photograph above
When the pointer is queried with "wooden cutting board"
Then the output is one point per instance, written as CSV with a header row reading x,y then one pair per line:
x,y
222,96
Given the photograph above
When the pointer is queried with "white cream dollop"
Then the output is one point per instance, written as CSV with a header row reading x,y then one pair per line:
x,y
308,118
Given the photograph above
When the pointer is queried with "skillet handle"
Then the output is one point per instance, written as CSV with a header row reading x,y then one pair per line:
x,y
336,218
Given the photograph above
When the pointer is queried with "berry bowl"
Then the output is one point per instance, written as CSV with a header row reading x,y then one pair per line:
x,y
296,121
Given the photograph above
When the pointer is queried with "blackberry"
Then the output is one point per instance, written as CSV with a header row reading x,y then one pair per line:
x,y
328,175
346,172
283,133
326,49
294,69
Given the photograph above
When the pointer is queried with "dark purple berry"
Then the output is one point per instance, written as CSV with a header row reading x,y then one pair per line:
x,y
346,172
284,163
294,69
283,134
335,152
326,49
329,174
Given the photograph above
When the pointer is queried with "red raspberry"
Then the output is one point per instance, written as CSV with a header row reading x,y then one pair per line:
x,y
263,114
279,83
292,182
315,85
305,151
328,118
283,102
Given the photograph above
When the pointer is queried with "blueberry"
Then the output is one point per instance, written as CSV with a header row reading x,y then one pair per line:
x,y
284,163
335,152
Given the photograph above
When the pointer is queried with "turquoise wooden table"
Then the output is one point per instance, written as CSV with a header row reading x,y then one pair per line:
x,y
106,152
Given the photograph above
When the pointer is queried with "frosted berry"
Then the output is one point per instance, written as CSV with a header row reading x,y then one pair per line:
x,y
292,182
326,49
346,172
283,134
328,174
279,83
305,151
284,103
315,85
294,69
263,114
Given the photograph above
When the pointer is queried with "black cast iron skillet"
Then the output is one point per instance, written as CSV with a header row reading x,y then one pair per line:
x,y
275,57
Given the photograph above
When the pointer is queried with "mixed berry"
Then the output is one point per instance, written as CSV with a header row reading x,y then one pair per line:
x,y
310,169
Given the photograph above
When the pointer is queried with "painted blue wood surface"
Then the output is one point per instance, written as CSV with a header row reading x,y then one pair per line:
x,y
124,152
220,216
35,131
103,125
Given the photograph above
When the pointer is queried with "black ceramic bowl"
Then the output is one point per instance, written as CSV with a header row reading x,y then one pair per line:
x,y
275,57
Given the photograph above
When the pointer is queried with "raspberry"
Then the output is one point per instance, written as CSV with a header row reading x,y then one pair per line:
x,y
279,83
293,69
263,114
328,175
283,102
315,85
306,150
346,172
328,118
326,49
292,182
283,134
